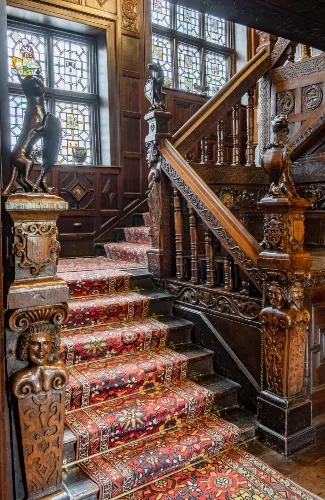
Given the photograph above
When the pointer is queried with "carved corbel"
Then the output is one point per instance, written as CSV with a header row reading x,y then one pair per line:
x,y
40,390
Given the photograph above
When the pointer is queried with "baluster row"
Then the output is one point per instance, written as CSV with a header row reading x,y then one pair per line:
x,y
219,151
198,261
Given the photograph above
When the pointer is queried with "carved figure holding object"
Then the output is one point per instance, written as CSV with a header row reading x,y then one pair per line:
x,y
38,124
158,97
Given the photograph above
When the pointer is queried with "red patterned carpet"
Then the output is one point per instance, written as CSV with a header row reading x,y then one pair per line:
x,y
142,429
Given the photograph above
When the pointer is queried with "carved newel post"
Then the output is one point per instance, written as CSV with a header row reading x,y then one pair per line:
x,y
159,190
36,302
284,410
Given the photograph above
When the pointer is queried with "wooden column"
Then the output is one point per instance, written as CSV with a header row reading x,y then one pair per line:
x,y
194,237
221,143
228,281
235,135
37,304
159,188
250,150
284,411
209,255
179,236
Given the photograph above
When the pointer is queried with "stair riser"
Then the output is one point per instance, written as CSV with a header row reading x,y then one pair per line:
x,y
160,307
201,366
182,335
225,400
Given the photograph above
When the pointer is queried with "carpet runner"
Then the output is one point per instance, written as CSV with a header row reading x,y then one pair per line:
x,y
232,475
141,427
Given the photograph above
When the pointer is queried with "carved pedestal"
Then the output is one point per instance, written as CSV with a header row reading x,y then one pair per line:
x,y
284,411
159,197
37,302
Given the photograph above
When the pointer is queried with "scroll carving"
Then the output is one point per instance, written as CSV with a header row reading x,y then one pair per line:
x,y
312,96
130,15
298,69
40,389
285,102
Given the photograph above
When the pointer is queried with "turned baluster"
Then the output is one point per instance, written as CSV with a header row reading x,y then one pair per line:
x,y
194,236
228,281
209,257
306,52
250,150
179,233
235,148
204,150
221,143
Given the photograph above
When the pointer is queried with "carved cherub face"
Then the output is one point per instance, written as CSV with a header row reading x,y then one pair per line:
x,y
275,296
39,348
298,296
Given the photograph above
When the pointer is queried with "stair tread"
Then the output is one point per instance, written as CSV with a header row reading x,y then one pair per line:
x,y
193,351
114,422
217,383
172,450
242,418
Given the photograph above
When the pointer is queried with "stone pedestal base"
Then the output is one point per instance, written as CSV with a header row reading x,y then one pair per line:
x,y
284,425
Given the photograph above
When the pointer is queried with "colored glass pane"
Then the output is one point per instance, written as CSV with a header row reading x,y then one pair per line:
x,y
188,21
189,66
161,13
71,65
216,71
76,135
215,30
26,54
162,52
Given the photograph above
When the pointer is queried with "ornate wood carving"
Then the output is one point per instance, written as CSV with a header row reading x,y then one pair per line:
x,y
194,237
250,149
130,15
312,96
235,136
285,102
299,69
216,301
279,50
209,256
264,114
179,235
221,143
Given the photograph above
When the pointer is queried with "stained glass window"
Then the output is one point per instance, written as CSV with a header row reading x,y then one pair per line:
x,y
76,136
161,13
187,21
216,71
189,66
192,47
67,63
215,29
71,65
162,52
26,53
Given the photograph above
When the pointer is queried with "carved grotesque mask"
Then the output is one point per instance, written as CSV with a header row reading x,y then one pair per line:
x,y
39,348
298,296
275,296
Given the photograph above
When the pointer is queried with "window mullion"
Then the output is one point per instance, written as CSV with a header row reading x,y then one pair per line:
x,y
175,62
50,69
203,72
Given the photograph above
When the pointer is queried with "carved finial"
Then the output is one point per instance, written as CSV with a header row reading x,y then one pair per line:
x,y
154,86
276,160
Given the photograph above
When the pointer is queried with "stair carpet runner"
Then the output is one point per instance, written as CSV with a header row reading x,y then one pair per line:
x,y
143,429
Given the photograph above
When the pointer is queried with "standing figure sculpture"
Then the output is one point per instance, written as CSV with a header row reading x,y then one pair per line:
x,y
154,88
38,124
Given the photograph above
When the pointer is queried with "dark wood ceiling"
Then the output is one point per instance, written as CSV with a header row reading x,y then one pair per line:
x,y
299,20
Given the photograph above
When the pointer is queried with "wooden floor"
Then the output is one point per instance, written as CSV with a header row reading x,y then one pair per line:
x,y
306,468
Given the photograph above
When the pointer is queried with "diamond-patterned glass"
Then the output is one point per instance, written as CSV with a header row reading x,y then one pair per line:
x,y
189,66
215,29
216,71
162,52
26,53
71,65
161,13
76,135
188,21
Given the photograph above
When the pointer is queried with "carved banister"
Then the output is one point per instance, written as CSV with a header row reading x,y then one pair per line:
x,y
202,122
224,225
312,127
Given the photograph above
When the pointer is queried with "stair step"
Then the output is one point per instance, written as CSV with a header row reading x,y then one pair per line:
x,y
200,359
224,390
243,419
131,252
182,445
107,425
79,485
179,329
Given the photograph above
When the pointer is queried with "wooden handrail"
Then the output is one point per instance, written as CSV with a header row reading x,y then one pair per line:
x,y
235,238
202,122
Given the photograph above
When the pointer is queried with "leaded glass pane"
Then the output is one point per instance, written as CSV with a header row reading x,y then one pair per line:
x,y
76,136
17,106
26,53
188,21
215,29
71,65
160,13
216,71
189,66
162,53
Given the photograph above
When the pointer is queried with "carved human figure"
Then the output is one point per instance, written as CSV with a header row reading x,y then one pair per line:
x,y
275,295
